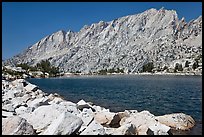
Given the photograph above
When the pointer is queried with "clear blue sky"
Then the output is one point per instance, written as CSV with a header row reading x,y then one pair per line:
x,y
25,23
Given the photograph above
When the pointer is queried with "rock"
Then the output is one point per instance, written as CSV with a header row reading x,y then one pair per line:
x,y
177,120
31,87
20,83
22,110
65,124
5,101
100,109
149,132
146,114
142,130
40,96
127,129
104,117
38,91
16,126
56,100
19,93
9,94
145,122
38,102
8,107
26,76
139,118
7,114
109,131
82,104
26,97
82,128
17,102
57,95
94,128
130,112
87,116
156,129
159,129
115,122
42,117
107,118
67,103
33,94
123,114
51,97
70,107
63,108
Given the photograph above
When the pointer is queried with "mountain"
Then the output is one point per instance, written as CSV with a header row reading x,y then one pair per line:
x,y
127,43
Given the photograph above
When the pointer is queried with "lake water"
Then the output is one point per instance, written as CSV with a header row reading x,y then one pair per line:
x,y
158,94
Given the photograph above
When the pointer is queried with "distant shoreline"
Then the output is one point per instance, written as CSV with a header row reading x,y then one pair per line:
x,y
134,74
75,76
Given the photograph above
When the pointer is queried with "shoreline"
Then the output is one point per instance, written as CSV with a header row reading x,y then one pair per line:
x,y
139,74
34,103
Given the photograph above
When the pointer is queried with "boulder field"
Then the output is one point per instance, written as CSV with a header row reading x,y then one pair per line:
x,y
27,110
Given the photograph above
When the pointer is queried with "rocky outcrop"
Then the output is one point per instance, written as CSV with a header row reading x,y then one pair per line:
x,y
126,43
31,111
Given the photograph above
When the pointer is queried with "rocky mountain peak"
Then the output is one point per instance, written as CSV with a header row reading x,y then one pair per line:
x,y
127,43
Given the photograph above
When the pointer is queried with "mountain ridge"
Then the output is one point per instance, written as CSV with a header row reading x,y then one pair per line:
x,y
127,43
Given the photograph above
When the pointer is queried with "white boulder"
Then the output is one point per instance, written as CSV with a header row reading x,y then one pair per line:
x,y
87,116
7,114
177,120
145,121
43,117
38,102
70,107
82,104
100,109
22,110
65,124
94,128
159,129
31,87
19,83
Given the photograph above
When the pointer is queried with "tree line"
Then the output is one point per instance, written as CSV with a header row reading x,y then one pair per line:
x,y
43,66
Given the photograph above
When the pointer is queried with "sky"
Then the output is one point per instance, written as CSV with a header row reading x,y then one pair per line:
x,y
25,23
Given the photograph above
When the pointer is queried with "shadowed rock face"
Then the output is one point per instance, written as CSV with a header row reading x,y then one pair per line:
x,y
127,43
